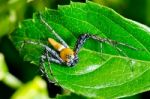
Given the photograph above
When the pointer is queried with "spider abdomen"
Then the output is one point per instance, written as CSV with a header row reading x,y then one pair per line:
x,y
55,44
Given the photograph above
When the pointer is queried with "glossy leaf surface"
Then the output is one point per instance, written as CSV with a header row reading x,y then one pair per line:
x,y
101,71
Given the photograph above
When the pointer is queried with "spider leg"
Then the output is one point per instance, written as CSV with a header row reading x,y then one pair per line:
x,y
49,59
81,40
45,57
53,32
101,50
43,70
120,50
83,37
79,43
101,46
51,51
109,41
52,59
54,54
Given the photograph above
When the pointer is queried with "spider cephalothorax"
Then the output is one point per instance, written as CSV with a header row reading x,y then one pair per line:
x,y
68,56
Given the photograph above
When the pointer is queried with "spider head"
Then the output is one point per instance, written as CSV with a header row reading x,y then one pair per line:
x,y
67,55
72,61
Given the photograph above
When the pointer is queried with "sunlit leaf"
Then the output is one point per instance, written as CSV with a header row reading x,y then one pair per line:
x,y
35,89
6,77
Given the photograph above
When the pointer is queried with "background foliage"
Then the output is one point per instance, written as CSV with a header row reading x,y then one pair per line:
x,y
13,11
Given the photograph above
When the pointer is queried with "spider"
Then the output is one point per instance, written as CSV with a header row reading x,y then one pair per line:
x,y
63,54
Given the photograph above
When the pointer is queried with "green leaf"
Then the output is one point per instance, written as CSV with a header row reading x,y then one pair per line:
x,y
6,77
3,67
35,89
71,96
108,74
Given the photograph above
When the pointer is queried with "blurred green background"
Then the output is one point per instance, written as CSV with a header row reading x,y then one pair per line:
x,y
19,78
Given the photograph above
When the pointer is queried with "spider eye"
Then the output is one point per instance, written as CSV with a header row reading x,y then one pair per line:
x,y
68,56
